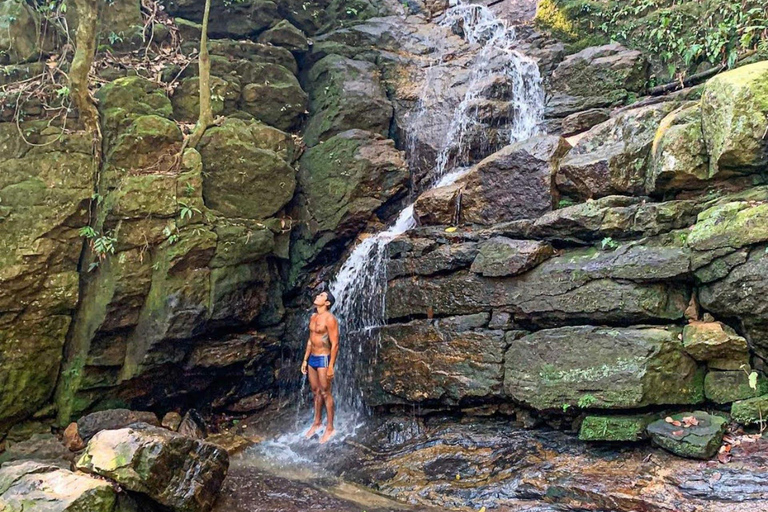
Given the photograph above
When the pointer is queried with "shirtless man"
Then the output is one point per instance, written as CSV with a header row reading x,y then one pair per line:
x,y
319,360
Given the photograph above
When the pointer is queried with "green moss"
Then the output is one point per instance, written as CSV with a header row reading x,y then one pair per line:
x,y
751,411
551,17
727,387
614,428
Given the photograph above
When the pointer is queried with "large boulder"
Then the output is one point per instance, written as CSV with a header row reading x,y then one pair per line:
x,y
41,487
601,368
734,119
176,471
241,178
343,184
426,362
19,32
286,36
679,158
612,158
598,76
345,94
511,184
274,96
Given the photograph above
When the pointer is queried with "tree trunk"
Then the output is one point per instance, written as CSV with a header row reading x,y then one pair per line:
x,y
205,118
85,39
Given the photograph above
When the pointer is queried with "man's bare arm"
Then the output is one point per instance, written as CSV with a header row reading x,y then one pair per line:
x,y
333,335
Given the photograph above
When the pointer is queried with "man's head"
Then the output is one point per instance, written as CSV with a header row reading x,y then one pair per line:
x,y
325,298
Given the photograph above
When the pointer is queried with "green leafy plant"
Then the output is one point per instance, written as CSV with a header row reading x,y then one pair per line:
x,y
103,245
586,401
608,243
114,38
187,211
172,234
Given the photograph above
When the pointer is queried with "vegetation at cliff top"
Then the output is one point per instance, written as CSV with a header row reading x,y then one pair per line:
x,y
681,34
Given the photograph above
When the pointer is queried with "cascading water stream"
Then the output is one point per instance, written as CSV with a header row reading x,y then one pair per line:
x,y
360,287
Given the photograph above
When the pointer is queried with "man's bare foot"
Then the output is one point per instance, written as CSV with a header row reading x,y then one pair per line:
x,y
313,430
327,435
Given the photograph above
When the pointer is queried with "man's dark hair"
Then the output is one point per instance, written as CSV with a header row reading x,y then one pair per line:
x,y
330,298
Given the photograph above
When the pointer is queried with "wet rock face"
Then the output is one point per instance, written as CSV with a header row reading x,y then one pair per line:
x,y
578,286
601,368
173,470
539,470
425,362
484,195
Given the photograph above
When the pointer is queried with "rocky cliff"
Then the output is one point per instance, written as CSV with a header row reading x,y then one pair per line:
x,y
613,262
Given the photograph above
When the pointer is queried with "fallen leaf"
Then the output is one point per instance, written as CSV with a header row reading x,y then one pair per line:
x,y
678,433
690,421
669,419
450,229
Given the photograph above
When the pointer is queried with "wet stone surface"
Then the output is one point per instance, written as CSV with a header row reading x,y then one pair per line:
x,y
470,463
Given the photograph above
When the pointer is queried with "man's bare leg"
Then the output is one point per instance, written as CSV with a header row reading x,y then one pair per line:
x,y
325,392
314,383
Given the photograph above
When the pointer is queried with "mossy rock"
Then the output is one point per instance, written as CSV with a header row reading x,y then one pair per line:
x,y
601,368
734,110
238,244
186,98
275,97
240,179
19,32
285,35
696,441
679,159
751,411
615,428
345,94
149,144
40,486
730,226
731,386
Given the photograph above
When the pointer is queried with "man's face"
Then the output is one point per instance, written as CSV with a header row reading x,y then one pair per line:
x,y
321,299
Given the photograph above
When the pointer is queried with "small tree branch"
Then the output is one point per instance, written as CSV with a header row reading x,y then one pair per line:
x,y
85,39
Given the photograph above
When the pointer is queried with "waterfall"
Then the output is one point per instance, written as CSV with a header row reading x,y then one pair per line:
x,y
360,286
